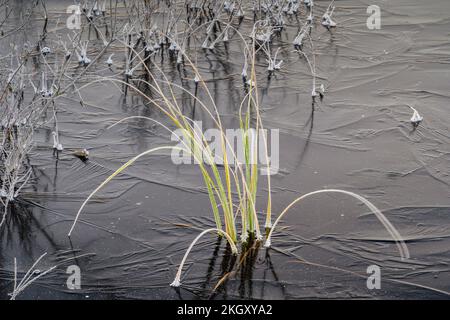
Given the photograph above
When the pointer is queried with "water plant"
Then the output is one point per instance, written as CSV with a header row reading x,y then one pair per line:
x,y
23,111
82,53
232,187
110,62
219,186
416,118
32,275
18,119
326,18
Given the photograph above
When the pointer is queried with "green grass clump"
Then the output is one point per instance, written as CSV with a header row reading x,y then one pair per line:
x,y
231,189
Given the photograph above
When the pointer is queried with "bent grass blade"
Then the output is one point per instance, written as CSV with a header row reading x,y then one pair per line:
x,y
401,245
177,281
123,167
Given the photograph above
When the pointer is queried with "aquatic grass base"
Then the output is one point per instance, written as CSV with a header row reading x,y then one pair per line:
x,y
282,272
402,247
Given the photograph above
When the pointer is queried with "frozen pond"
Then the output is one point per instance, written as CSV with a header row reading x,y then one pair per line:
x,y
133,234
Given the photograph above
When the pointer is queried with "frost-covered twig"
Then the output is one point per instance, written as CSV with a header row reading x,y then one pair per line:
x,y
30,276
